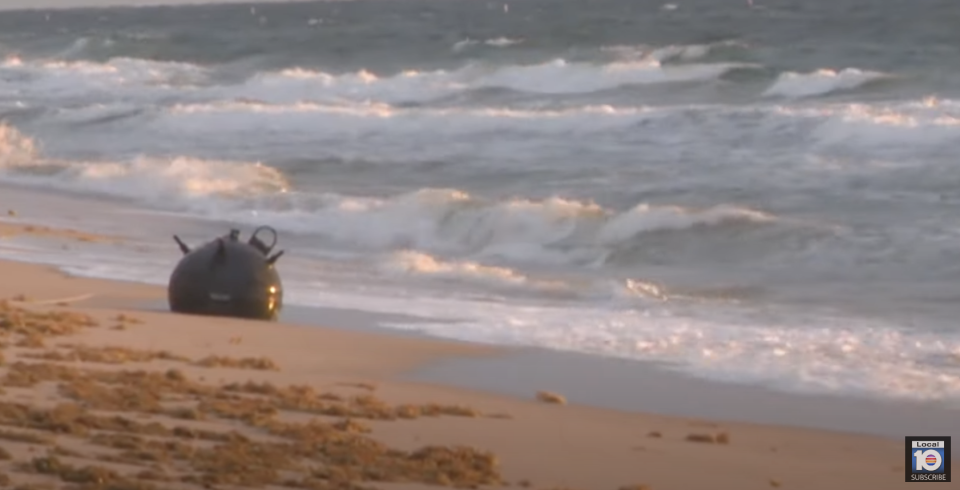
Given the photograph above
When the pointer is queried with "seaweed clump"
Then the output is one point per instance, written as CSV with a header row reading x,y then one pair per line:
x,y
143,426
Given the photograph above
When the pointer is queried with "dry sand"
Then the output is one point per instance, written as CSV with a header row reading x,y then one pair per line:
x,y
100,393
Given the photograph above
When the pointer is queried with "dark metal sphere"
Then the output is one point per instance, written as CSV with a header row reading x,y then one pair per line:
x,y
227,277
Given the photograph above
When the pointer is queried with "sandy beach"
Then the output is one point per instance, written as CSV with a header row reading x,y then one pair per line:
x,y
102,392
598,245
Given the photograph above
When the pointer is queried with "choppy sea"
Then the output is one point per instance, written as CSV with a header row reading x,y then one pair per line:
x,y
760,192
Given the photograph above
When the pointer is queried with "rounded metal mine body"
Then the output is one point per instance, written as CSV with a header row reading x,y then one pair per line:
x,y
227,277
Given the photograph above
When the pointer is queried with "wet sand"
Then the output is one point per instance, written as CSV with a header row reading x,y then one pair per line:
x,y
637,386
99,388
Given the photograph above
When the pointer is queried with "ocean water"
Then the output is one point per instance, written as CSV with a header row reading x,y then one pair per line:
x,y
763,192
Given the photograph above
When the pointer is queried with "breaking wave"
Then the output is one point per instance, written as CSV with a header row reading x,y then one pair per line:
x,y
499,42
151,180
553,77
442,220
821,82
148,80
61,79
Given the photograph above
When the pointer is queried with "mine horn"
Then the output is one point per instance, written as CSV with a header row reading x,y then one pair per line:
x,y
183,246
273,258
258,244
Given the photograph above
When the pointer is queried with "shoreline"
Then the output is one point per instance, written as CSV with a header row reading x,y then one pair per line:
x,y
635,386
540,444
715,348
624,385
629,385
642,387
540,441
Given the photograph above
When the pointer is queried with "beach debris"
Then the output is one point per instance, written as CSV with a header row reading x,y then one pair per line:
x,y
360,385
258,363
166,425
11,212
718,438
104,354
549,397
655,434
25,437
774,483
31,342
58,301
705,438
123,318
112,409
227,277
352,425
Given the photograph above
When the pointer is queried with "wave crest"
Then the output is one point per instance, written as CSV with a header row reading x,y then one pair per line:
x,y
550,230
821,82
147,179
450,221
15,148
554,77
